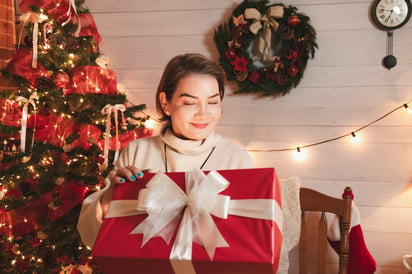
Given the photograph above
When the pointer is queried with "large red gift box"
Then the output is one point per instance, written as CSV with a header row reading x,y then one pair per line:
x,y
248,224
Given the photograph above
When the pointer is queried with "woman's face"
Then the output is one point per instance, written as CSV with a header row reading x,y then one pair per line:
x,y
195,107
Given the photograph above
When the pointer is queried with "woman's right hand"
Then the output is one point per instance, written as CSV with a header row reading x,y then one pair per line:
x,y
119,176
127,174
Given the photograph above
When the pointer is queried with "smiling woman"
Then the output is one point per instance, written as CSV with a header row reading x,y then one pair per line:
x,y
188,100
194,108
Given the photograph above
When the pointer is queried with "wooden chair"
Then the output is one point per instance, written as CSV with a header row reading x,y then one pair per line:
x,y
311,200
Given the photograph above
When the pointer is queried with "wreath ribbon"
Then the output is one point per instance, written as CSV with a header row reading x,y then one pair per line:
x,y
269,23
25,114
108,109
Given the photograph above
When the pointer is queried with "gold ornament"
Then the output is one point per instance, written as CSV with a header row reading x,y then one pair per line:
x,y
59,181
25,159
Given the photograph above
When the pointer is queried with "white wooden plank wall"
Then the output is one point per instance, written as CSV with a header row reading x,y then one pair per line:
x,y
344,87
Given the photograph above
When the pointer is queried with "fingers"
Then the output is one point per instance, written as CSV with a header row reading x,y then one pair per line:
x,y
128,174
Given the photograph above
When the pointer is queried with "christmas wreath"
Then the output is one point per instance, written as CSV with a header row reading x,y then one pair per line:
x,y
265,48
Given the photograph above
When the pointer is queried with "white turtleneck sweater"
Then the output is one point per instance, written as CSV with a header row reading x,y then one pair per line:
x,y
213,153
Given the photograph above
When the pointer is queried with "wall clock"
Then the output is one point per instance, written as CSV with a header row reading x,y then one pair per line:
x,y
389,15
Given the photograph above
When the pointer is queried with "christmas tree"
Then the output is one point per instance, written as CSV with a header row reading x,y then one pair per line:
x,y
61,129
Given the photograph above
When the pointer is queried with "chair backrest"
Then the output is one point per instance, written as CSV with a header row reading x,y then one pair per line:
x,y
311,200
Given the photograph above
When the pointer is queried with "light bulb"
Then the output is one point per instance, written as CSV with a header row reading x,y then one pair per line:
x,y
355,138
299,154
149,123
408,109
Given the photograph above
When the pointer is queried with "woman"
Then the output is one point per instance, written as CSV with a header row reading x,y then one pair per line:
x,y
189,100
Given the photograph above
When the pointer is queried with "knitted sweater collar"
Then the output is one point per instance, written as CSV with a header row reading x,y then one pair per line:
x,y
184,146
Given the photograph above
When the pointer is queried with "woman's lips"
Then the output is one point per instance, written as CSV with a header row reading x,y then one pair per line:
x,y
200,125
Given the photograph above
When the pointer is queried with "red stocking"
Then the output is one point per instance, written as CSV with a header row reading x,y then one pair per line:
x,y
360,259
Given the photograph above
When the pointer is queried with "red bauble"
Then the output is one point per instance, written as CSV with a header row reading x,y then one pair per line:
x,y
61,80
254,76
293,20
292,54
293,70
230,54
35,242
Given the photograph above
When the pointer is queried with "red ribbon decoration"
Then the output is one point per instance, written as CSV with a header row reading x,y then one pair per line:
x,y
92,79
10,112
33,215
88,27
21,65
56,8
55,129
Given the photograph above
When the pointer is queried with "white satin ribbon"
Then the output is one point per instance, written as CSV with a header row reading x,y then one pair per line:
x,y
36,19
265,39
108,109
25,113
164,202
69,15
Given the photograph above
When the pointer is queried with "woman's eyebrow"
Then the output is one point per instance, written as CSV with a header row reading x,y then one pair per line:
x,y
214,95
187,95
195,97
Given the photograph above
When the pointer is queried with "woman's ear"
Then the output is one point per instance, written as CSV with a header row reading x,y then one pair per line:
x,y
163,102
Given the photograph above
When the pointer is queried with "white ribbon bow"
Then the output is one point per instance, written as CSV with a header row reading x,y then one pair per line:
x,y
164,203
265,39
36,19
108,109
25,113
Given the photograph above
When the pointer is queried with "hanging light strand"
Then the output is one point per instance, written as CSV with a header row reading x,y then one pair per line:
x,y
352,133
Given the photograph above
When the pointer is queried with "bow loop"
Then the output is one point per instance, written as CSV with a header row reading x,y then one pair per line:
x,y
72,5
107,110
36,19
25,113
165,203
269,23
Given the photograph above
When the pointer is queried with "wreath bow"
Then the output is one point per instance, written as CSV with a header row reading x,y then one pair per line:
x,y
269,22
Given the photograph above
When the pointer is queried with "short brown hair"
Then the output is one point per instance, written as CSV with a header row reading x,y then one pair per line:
x,y
181,66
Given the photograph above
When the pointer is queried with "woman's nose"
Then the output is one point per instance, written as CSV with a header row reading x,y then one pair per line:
x,y
202,110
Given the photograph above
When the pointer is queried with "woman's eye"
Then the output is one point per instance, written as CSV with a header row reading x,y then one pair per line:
x,y
213,102
188,103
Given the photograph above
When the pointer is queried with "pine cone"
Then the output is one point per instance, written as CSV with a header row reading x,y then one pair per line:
x,y
44,83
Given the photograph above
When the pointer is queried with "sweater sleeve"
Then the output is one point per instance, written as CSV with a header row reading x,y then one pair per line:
x,y
91,216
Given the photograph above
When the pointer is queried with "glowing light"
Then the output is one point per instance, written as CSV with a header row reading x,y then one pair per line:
x,y
300,154
355,138
407,108
149,123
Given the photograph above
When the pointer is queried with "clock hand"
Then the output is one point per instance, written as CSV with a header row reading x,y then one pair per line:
x,y
387,18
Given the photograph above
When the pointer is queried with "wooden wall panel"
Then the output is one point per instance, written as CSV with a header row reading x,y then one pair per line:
x,y
7,37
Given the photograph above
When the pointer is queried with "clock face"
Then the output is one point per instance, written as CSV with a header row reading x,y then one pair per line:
x,y
391,14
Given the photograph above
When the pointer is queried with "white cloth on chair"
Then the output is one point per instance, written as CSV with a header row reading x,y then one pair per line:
x,y
291,220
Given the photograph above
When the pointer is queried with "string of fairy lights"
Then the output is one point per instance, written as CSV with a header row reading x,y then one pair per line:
x,y
299,152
